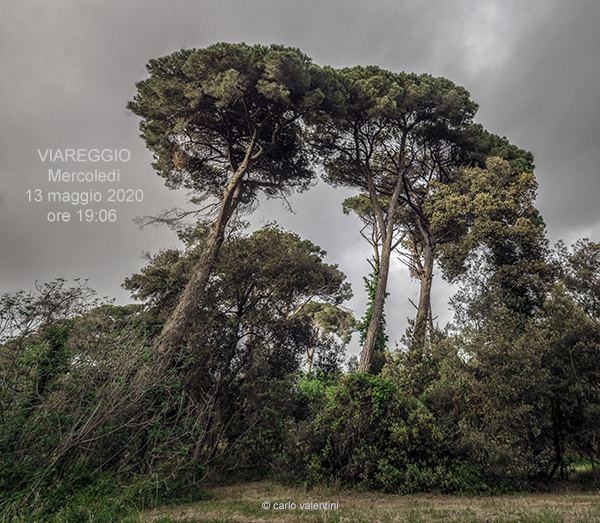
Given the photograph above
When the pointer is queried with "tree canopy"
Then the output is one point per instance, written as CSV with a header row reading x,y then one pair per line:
x,y
270,296
230,109
394,134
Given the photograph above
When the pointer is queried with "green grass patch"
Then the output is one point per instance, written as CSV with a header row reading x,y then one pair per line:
x,y
94,498
244,503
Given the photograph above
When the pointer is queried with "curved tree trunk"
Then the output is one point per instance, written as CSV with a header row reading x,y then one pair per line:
x,y
175,327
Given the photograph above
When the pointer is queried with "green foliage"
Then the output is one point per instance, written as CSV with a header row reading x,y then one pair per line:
x,y
272,297
490,214
492,395
486,145
369,435
53,359
581,274
272,300
83,397
573,359
206,112
520,394
310,387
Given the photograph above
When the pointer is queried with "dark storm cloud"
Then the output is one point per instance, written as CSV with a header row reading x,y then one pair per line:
x,y
70,67
552,107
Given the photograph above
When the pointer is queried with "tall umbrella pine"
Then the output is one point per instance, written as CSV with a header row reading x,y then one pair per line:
x,y
225,123
394,134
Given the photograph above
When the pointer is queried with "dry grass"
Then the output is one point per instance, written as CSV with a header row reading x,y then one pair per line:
x,y
243,503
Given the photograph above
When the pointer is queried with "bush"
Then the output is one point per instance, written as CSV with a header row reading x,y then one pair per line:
x,y
369,435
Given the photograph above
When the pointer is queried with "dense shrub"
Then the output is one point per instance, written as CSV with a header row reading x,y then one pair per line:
x,y
368,434
82,396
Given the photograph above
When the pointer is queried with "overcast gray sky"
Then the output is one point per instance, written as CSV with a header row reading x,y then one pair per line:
x,y
68,69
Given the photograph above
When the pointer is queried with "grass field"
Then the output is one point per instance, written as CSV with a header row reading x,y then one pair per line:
x,y
244,503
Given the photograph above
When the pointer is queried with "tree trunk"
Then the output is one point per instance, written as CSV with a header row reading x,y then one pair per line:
x,y
424,308
310,354
378,301
557,432
175,327
387,236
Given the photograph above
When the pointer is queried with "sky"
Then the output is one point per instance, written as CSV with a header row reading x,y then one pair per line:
x,y
68,69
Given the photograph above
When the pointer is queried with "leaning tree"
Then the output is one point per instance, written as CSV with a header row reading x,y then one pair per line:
x,y
225,123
